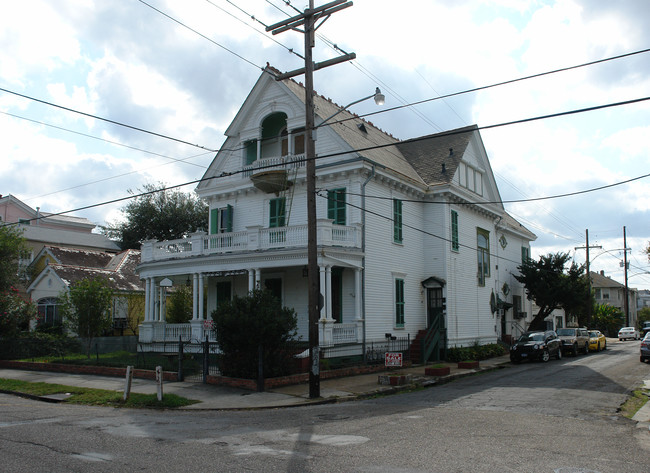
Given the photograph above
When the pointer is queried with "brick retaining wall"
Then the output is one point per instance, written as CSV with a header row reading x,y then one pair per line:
x,y
86,369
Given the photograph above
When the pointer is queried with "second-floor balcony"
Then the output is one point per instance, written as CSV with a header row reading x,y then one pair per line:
x,y
254,238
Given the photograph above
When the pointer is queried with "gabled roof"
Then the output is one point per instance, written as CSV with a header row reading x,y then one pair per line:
x,y
74,265
76,256
436,157
513,225
600,280
54,219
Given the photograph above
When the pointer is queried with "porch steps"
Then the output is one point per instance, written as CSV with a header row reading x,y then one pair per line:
x,y
416,346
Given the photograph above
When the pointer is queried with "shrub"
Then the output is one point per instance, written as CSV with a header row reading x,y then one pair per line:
x,y
37,344
15,313
476,352
244,324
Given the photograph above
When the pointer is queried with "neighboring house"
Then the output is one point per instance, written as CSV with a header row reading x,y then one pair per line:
x,y
557,318
412,235
42,228
610,292
642,299
56,268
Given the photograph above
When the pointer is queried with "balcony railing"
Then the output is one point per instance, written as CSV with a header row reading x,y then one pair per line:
x,y
253,239
285,162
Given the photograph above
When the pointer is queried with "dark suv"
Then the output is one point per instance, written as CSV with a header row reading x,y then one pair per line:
x,y
536,346
574,340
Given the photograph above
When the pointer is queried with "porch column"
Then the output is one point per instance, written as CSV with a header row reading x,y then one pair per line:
x,y
195,297
162,298
156,303
147,299
328,293
201,314
259,149
251,279
152,300
258,278
357,294
321,279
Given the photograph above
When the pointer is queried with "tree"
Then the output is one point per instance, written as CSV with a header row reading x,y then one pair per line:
x,y
244,324
607,319
643,316
15,313
179,308
552,286
134,311
158,214
86,308
12,248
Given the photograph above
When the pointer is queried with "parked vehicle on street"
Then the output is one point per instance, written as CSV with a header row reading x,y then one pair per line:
x,y
645,348
536,346
646,327
574,340
628,333
597,341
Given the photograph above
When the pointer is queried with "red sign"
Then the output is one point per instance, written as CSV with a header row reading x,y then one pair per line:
x,y
393,359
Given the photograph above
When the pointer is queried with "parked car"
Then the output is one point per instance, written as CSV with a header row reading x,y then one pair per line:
x,y
628,333
536,346
597,341
645,348
646,326
574,340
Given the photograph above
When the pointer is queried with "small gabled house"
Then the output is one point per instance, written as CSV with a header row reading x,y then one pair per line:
x,y
412,236
611,292
56,268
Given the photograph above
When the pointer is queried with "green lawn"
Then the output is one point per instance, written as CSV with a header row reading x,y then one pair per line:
x,y
95,397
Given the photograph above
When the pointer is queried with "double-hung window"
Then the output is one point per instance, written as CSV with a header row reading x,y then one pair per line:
x,y
399,302
277,219
221,220
397,221
525,254
483,255
455,246
336,206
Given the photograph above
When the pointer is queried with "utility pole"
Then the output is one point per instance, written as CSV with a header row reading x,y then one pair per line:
x,y
627,302
586,247
308,20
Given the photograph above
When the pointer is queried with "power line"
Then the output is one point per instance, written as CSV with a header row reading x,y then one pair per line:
x,y
201,35
117,143
498,84
105,119
454,132
290,50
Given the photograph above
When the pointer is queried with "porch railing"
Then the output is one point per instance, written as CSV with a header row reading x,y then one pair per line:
x,y
285,162
252,239
344,333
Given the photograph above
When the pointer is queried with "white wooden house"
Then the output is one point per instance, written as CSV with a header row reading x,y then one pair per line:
x,y
411,234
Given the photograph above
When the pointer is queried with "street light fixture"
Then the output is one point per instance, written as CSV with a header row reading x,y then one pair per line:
x,y
380,99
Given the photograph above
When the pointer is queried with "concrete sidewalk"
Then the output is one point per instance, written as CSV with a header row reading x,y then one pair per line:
x,y
221,398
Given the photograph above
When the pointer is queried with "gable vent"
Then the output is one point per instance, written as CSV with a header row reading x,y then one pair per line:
x,y
362,127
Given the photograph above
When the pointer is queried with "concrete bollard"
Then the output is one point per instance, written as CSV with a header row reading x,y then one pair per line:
x,y
159,382
127,383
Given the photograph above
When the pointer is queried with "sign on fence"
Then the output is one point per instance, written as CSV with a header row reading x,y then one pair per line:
x,y
393,359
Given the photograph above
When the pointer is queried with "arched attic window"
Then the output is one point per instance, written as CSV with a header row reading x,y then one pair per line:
x,y
272,128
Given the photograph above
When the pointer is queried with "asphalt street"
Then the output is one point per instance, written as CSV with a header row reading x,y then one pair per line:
x,y
558,417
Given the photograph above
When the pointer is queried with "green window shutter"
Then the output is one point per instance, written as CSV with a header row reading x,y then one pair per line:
x,y
229,216
214,221
276,212
399,302
524,254
251,151
397,221
454,231
336,206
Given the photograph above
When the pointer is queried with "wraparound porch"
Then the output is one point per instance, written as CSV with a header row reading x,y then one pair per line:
x,y
341,320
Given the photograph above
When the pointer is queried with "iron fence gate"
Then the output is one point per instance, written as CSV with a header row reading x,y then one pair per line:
x,y
196,361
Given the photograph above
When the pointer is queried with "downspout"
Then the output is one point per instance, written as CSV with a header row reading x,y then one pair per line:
x,y
363,258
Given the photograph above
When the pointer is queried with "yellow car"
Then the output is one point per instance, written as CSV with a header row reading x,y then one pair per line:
x,y
597,341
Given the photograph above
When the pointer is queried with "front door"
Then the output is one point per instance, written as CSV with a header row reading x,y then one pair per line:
x,y
337,291
435,307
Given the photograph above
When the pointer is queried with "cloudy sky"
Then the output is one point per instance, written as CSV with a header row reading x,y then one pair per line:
x,y
140,64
